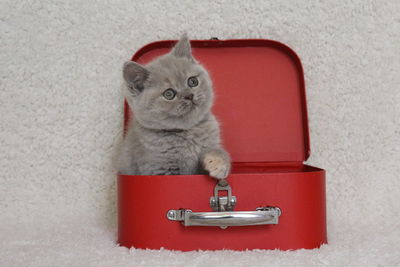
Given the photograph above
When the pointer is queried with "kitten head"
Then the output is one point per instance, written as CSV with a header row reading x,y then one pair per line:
x,y
171,92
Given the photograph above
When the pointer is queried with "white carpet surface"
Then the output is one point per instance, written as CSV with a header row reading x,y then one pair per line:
x,y
61,114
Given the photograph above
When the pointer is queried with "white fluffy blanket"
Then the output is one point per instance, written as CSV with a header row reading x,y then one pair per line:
x,y
61,114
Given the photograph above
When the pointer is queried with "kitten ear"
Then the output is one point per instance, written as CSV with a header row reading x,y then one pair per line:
x,y
183,48
135,75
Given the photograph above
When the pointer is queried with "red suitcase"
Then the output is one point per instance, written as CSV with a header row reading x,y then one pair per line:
x,y
273,200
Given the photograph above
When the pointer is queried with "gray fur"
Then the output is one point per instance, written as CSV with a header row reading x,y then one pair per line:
x,y
179,136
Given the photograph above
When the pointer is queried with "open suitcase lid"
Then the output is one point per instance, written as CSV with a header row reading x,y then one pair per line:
x,y
259,96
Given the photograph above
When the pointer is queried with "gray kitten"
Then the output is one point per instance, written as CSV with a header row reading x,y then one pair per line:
x,y
174,131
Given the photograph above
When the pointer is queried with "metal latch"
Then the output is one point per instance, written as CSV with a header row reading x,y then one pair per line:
x,y
222,203
223,215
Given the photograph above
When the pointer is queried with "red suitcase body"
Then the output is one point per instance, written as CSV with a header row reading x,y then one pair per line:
x,y
261,104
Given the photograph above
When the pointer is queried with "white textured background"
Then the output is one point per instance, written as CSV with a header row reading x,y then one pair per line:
x,y
61,114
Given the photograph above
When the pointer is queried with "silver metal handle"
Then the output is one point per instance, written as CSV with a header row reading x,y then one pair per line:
x,y
263,215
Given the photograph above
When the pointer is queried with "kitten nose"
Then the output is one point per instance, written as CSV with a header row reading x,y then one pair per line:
x,y
189,97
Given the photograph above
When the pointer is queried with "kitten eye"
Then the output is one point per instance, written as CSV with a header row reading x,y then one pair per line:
x,y
192,81
169,94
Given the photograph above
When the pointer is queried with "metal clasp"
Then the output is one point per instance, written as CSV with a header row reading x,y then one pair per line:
x,y
222,203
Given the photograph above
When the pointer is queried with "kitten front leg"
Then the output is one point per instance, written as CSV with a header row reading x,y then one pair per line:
x,y
217,163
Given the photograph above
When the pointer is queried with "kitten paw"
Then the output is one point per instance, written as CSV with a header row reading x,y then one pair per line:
x,y
216,166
